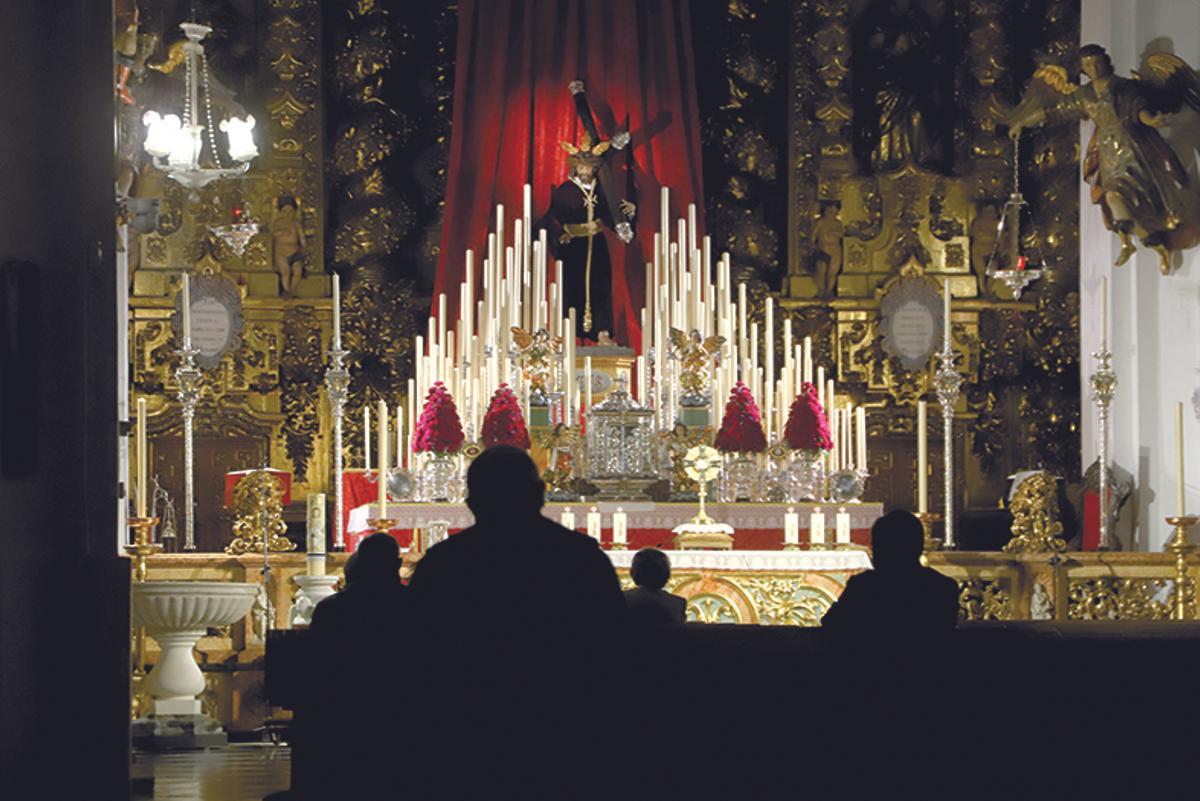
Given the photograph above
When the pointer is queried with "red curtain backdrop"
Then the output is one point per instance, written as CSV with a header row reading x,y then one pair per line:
x,y
512,108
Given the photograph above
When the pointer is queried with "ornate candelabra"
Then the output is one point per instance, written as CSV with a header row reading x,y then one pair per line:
x,y
947,383
188,378
337,388
1182,549
1104,385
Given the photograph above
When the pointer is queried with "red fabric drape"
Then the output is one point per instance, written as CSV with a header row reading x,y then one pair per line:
x,y
512,108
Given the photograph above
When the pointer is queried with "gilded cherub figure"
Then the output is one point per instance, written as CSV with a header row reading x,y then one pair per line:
x,y
536,353
695,355
287,235
1137,179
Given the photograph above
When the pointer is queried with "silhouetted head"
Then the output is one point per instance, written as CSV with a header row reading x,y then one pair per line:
x,y
378,560
503,483
348,570
285,201
651,568
897,540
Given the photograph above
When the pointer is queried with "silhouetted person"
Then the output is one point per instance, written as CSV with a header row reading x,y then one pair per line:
x,y
892,625
520,619
349,729
899,598
649,604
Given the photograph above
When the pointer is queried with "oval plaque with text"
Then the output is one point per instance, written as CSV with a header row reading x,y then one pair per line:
x,y
216,311
911,322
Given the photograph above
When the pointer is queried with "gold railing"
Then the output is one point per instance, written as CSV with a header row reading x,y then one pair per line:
x,y
1068,586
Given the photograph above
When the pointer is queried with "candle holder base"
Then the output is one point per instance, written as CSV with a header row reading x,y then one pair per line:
x,y
697,535
618,546
791,547
142,547
1184,595
927,519
382,525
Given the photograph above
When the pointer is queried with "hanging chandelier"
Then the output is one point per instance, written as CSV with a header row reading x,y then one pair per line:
x,y
177,144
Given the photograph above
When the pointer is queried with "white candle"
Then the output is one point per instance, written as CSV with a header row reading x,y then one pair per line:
x,y
587,381
946,314
399,458
816,527
186,309
742,331
922,457
791,527
366,436
315,516
834,420
593,524
568,519
143,469
843,527
641,380
383,457
620,527
808,359
1181,500
1104,312
862,438
337,312
768,394
412,422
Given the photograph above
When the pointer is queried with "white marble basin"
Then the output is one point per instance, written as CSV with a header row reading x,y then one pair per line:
x,y
177,614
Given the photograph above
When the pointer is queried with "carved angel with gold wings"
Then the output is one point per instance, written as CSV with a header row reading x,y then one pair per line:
x,y
1137,179
536,354
695,357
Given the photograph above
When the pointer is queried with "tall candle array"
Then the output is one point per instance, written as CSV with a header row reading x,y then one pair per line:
x,y
516,284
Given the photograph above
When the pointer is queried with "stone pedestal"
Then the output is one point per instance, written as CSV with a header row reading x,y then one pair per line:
x,y
177,614
168,732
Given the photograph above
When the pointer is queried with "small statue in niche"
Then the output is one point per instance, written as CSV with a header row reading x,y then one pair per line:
x,y
900,87
1137,179
984,231
827,249
287,235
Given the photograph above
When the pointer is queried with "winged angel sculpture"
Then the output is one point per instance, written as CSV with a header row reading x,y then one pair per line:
x,y
695,355
536,352
1137,179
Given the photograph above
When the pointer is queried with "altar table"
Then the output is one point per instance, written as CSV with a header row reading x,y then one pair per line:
x,y
757,526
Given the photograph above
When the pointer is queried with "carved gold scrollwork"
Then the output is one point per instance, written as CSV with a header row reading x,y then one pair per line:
x,y
258,515
300,384
1036,527
786,600
1119,599
984,599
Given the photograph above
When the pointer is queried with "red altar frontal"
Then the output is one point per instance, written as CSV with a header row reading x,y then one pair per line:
x,y
757,526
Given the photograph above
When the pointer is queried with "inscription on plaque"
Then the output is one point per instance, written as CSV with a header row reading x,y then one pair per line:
x,y
913,330
212,324
216,316
911,321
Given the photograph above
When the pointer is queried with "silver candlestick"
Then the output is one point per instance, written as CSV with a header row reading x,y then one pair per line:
x,y
188,377
947,383
1104,385
337,388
